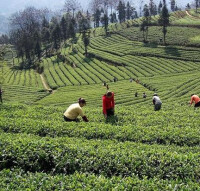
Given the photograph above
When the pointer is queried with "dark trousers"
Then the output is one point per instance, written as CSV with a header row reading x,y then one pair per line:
x,y
157,106
197,104
69,120
1,99
110,112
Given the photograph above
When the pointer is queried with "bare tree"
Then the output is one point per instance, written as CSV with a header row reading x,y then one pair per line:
x,y
113,4
24,25
94,5
72,5
141,5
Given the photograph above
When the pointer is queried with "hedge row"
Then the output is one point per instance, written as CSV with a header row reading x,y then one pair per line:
x,y
18,180
108,158
152,134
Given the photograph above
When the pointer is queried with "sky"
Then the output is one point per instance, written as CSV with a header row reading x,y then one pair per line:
x,y
8,7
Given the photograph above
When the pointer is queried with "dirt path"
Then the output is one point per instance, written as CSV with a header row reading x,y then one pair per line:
x,y
46,86
191,15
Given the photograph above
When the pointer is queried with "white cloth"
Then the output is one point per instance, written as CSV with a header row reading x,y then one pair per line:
x,y
156,100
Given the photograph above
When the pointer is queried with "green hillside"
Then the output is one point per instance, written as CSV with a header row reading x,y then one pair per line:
x,y
138,148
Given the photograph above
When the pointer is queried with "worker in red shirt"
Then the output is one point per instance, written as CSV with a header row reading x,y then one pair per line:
x,y
196,100
108,104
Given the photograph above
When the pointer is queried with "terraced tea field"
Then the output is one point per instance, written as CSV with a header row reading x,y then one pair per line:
x,y
138,148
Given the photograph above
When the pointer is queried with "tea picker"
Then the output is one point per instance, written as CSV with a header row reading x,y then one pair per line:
x,y
74,110
196,100
108,103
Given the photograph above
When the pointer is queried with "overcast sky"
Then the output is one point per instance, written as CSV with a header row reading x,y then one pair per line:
x,y
11,6
8,7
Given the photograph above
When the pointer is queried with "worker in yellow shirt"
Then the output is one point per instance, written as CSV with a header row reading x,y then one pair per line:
x,y
196,100
74,110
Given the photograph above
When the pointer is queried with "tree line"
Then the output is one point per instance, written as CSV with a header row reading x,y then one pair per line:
x,y
34,35
40,32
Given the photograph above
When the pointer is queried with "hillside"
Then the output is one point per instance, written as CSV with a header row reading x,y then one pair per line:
x,y
138,148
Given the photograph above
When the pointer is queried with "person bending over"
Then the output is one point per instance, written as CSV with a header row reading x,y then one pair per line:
x,y
108,104
74,110
195,99
157,102
144,95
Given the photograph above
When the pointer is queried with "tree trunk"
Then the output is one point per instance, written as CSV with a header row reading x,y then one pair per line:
x,y
143,36
147,30
46,52
86,51
164,34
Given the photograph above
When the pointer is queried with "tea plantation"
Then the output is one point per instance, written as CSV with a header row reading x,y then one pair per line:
x,y
138,148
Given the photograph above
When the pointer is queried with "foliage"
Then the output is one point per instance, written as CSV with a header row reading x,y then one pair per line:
x,y
164,21
138,148
17,179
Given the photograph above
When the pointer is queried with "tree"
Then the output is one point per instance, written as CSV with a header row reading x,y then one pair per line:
x,y
155,12
173,5
176,8
197,2
45,23
135,15
4,39
188,6
45,36
94,5
84,26
144,27
56,36
88,16
104,4
38,49
24,25
164,21
97,17
159,7
16,40
140,7
112,4
129,11
72,30
151,7
104,21
63,26
113,18
72,5
37,46
68,19
121,11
